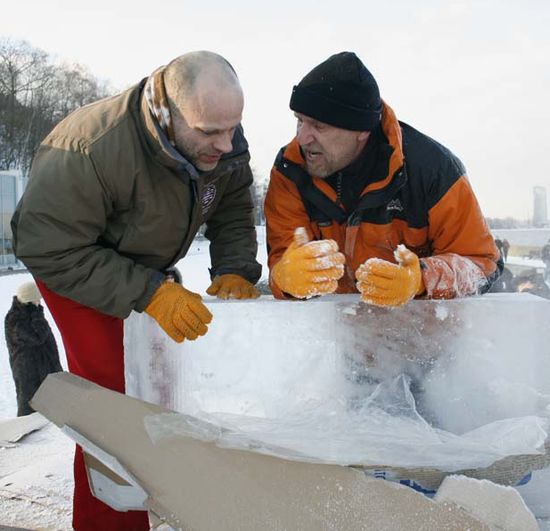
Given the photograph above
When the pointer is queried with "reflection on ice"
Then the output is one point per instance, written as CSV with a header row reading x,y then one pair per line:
x,y
443,384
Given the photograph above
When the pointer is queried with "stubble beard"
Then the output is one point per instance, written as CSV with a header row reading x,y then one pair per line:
x,y
192,156
321,170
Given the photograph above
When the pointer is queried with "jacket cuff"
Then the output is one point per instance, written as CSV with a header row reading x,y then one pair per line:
x,y
252,273
155,280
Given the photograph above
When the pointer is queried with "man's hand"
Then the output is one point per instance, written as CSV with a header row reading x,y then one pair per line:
x,y
232,286
385,284
308,268
179,312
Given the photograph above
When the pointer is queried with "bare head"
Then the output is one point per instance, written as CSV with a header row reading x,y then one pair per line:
x,y
206,104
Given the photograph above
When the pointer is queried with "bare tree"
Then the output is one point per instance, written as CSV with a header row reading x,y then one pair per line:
x,y
35,94
23,70
75,86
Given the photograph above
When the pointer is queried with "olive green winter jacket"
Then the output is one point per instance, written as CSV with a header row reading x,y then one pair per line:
x,y
107,209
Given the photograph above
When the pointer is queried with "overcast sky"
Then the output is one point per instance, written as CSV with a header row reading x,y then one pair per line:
x,y
473,74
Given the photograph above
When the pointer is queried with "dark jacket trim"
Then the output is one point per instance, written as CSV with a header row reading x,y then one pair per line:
x,y
319,207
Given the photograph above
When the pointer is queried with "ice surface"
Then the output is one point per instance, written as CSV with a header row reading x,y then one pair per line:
x,y
261,358
498,506
536,493
443,384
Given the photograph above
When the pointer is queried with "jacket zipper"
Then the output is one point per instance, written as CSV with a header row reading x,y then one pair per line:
x,y
339,188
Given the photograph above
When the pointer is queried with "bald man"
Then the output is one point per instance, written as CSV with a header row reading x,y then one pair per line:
x,y
117,192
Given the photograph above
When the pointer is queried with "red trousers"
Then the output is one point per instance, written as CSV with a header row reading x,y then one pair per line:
x,y
94,347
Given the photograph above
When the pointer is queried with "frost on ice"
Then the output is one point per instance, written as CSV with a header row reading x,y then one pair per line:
x,y
442,384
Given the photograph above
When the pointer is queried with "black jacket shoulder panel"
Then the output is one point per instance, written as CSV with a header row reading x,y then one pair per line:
x,y
430,170
431,167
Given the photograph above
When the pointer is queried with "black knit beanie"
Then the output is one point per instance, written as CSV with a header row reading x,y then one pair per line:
x,y
340,92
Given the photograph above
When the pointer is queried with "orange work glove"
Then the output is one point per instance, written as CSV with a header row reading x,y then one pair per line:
x,y
385,284
230,286
179,312
309,268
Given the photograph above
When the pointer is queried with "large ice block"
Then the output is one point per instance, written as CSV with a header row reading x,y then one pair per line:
x,y
444,384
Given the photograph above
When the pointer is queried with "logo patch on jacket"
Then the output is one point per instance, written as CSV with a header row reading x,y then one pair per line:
x,y
395,204
207,198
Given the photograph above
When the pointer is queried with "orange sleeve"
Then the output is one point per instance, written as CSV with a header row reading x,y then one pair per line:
x,y
284,212
464,253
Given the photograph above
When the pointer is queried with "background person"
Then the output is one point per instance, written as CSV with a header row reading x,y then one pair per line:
x,y
505,248
31,345
545,256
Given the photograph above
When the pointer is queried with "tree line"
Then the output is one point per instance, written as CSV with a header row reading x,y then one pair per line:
x,y
507,223
35,94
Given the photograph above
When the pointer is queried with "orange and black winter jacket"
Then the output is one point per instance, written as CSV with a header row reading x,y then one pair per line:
x,y
425,202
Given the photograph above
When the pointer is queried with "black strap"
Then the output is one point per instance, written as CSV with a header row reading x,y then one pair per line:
x,y
318,206
321,208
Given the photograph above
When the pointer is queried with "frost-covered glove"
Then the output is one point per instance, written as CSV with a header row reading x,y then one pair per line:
x,y
309,268
179,312
230,286
385,284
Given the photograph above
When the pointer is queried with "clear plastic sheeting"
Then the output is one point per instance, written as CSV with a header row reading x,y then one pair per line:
x,y
436,384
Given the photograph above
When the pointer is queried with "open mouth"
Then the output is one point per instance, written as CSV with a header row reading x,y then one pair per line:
x,y
312,156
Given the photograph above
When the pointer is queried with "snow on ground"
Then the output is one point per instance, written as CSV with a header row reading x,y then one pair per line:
x,y
525,262
36,475
36,481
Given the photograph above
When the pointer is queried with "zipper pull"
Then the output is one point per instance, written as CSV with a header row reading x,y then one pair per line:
x,y
354,219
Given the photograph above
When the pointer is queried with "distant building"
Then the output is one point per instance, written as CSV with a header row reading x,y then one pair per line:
x,y
12,185
540,208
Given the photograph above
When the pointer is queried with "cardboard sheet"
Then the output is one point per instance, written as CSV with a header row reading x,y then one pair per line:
x,y
192,484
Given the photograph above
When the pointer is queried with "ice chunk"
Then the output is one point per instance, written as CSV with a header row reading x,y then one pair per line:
x,y
500,507
536,491
444,384
260,357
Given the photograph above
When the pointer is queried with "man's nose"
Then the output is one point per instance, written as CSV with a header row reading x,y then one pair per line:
x,y
224,142
304,134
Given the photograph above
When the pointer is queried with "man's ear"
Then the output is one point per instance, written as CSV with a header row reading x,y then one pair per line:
x,y
363,136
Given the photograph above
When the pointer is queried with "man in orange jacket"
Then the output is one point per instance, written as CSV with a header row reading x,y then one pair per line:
x,y
390,211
